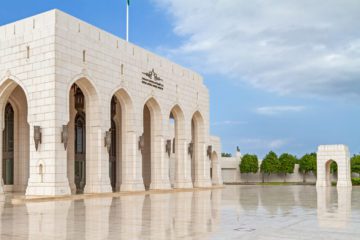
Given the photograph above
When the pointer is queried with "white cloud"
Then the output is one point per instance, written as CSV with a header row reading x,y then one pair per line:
x,y
228,123
263,144
287,46
275,110
277,143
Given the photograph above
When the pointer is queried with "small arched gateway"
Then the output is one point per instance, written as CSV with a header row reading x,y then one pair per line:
x,y
333,153
14,156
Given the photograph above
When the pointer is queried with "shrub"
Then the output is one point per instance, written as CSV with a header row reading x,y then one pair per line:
x,y
249,164
355,164
270,164
307,164
355,181
287,164
333,167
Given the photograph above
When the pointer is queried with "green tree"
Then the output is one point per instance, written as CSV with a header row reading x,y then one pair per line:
x,y
287,164
249,164
333,167
270,164
307,164
355,164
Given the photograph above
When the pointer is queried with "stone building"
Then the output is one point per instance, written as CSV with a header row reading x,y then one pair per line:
x,y
328,154
83,111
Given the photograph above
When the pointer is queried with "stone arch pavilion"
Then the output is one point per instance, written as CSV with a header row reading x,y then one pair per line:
x,y
327,154
83,111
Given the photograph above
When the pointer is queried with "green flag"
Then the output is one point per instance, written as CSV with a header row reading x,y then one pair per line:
x,y
128,2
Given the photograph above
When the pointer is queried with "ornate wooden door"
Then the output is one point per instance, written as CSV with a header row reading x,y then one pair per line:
x,y
80,152
8,146
112,156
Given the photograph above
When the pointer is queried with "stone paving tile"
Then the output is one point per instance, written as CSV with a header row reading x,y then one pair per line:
x,y
235,212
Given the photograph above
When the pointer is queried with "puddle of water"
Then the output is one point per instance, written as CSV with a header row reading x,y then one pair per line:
x,y
236,212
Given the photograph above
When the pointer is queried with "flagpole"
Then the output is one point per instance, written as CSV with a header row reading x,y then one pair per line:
x,y
127,21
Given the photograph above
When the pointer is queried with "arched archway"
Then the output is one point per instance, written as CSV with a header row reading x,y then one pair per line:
x,y
86,170
15,136
77,128
328,170
180,168
333,153
151,129
331,171
122,131
198,147
154,167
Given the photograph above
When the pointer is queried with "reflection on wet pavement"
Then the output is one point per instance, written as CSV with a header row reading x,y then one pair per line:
x,y
290,212
236,212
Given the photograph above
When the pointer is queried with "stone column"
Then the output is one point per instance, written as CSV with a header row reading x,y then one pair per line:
x,y
159,164
48,164
216,172
344,170
202,168
131,168
23,149
183,166
321,180
97,161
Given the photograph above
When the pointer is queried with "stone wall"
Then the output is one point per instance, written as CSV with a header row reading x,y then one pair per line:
x,y
231,174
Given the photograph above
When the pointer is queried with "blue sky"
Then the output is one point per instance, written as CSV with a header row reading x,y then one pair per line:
x,y
283,75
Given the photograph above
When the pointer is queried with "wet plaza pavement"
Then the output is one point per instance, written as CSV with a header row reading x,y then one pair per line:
x,y
235,212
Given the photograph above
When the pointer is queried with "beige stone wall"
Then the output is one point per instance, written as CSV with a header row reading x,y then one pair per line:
x,y
231,174
46,54
27,51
